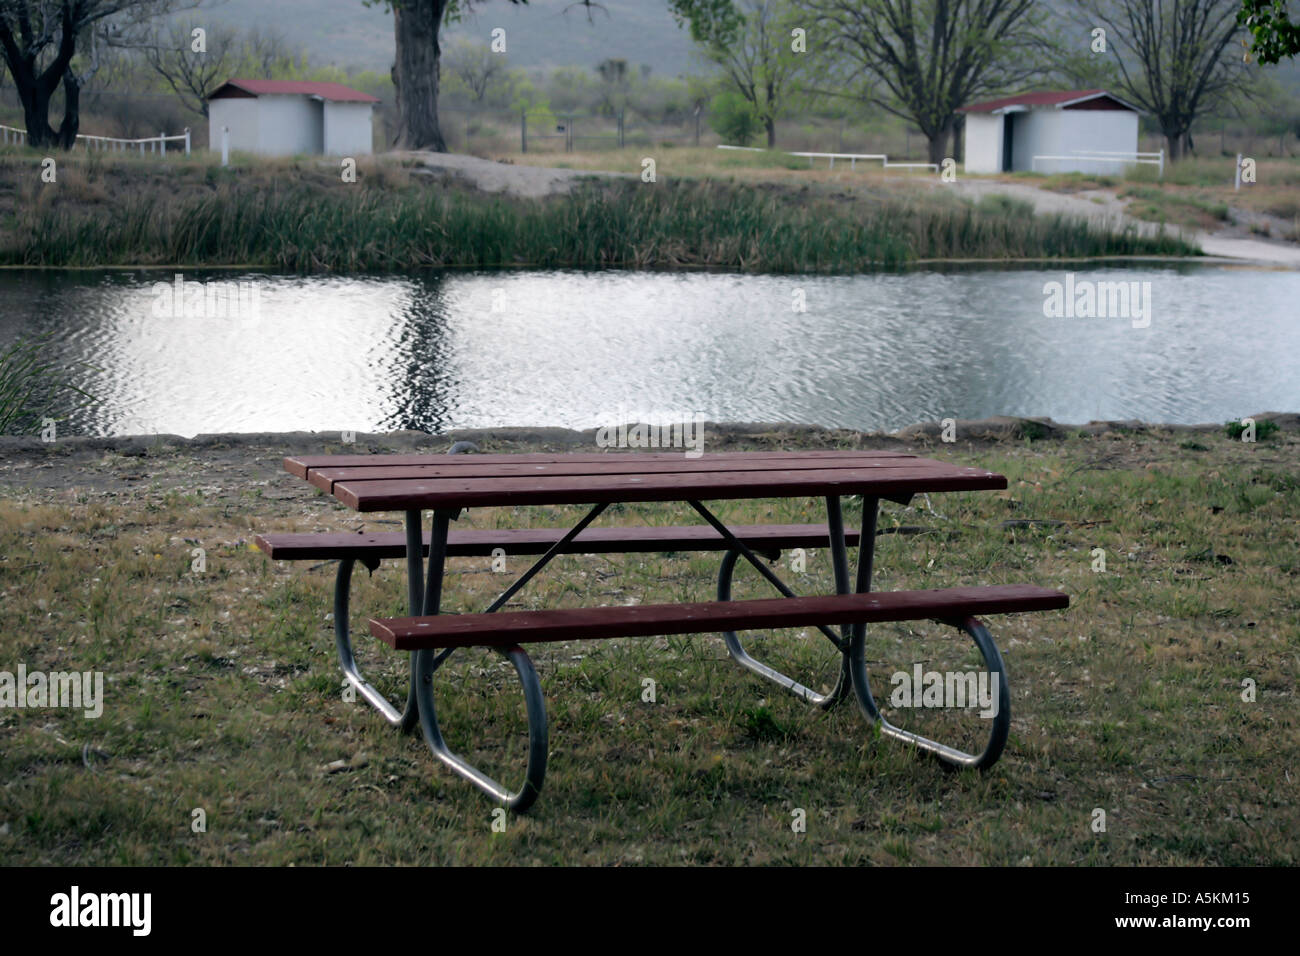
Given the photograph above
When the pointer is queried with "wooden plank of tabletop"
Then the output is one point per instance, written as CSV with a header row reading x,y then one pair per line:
x,y
300,464
401,494
326,478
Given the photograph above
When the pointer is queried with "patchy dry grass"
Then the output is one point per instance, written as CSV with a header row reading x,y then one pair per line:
x,y
1195,192
223,695
1176,207
726,165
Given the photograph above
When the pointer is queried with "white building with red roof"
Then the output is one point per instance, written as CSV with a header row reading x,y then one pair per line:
x,y
1086,131
288,117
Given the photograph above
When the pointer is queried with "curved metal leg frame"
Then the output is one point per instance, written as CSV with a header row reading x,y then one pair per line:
x,y
1000,724
739,655
840,563
521,799
405,718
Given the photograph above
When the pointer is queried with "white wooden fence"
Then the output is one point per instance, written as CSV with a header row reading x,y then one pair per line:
x,y
10,135
1103,156
851,157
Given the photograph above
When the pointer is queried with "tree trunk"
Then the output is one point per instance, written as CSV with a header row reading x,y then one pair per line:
x,y
36,114
35,89
770,124
937,143
1173,146
71,112
415,73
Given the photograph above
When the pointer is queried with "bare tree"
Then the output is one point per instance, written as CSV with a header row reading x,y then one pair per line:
x,y
751,41
476,66
923,59
193,66
1174,58
614,85
267,54
48,44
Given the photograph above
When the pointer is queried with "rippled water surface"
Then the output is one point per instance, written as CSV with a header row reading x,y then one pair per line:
x,y
581,349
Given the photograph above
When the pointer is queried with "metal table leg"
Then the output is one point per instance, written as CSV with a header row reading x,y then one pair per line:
x,y
409,715
839,561
856,660
425,663
405,718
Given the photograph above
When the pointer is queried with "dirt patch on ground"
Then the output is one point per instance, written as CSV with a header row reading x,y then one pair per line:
x,y
495,176
230,465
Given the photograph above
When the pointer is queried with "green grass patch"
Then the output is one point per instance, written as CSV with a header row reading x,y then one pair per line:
x,y
1157,204
222,692
1264,429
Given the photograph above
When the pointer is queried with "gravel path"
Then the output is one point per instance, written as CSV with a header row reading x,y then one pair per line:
x,y
531,182
1101,206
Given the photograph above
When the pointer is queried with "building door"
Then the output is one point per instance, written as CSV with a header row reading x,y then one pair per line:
x,y
316,125
1008,137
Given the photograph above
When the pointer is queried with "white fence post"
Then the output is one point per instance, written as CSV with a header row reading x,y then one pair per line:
x,y
162,141
187,141
1162,163
1236,175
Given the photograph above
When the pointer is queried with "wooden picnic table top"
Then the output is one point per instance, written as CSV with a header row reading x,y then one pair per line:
x,y
406,482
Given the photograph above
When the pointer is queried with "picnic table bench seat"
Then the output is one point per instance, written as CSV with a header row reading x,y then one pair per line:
x,y
509,628
767,540
505,632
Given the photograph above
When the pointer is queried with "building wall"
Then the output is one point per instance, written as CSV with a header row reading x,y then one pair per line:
x,y
348,130
983,143
1052,132
240,114
1112,131
1037,132
289,125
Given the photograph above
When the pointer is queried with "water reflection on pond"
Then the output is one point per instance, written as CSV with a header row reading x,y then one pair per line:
x,y
580,349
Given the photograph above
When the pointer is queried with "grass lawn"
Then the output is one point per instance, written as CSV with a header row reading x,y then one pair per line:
x,y
222,693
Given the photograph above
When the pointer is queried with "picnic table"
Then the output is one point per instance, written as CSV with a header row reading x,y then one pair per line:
x,y
445,485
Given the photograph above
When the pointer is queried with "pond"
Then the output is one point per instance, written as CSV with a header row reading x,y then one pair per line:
x,y
232,352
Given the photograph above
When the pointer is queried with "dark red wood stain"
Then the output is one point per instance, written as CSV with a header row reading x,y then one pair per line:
x,y
573,624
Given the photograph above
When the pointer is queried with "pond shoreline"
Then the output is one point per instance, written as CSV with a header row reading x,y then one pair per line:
x,y
85,462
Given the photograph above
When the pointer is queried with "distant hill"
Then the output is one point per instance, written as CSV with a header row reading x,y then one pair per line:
x,y
545,33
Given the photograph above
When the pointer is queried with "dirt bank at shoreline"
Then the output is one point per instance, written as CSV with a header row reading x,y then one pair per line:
x,y
253,460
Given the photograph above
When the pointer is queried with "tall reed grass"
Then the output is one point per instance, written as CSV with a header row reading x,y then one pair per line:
x,y
625,225
31,384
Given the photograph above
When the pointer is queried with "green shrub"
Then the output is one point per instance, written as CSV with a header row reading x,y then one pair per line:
x,y
1263,429
734,119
